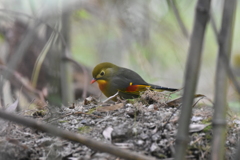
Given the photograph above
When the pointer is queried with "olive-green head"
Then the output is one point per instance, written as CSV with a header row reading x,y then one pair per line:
x,y
103,71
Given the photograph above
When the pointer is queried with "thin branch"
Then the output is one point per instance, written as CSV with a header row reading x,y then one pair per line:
x,y
225,58
89,142
169,118
191,75
40,20
111,97
17,81
179,19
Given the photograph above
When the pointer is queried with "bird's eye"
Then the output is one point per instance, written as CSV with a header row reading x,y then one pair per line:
x,y
102,73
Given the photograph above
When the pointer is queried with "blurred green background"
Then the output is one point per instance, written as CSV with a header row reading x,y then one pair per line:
x,y
144,36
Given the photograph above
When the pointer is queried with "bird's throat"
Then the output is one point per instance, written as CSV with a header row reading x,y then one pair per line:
x,y
102,85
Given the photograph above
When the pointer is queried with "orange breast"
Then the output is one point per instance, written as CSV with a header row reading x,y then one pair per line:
x,y
102,84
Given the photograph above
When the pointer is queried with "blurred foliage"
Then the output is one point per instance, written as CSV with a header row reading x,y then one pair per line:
x,y
82,14
142,35
160,57
1,38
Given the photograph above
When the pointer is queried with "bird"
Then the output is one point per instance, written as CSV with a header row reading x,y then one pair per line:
x,y
128,84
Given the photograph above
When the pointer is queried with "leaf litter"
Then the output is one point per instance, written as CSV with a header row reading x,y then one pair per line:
x,y
147,125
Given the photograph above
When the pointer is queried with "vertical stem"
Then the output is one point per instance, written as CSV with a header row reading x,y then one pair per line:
x,y
66,71
221,81
191,75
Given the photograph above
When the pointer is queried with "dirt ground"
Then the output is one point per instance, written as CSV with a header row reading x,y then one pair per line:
x,y
147,125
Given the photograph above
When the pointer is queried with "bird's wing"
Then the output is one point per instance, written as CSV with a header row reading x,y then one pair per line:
x,y
133,83
129,81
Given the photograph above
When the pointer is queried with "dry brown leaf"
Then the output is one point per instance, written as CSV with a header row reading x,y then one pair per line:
x,y
110,108
13,107
177,101
174,102
197,127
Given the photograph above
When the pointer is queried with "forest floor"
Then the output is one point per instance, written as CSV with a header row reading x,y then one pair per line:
x,y
147,125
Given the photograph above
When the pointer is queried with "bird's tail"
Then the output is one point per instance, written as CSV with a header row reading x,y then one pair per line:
x,y
160,88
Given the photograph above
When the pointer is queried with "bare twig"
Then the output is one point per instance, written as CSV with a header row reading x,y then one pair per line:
x,y
191,76
169,118
111,97
179,19
225,58
89,142
197,101
18,80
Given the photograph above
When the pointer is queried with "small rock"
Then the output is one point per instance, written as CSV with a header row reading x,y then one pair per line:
x,y
154,148
169,127
120,133
163,142
115,118
74,121
236,121
92,122
151,125
107,133
147,113
151,106
140,142
134,130
156,137
196,118
83,121
129,105
132,113
144,136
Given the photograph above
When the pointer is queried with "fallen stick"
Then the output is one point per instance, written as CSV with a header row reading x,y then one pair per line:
x,y
89,142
